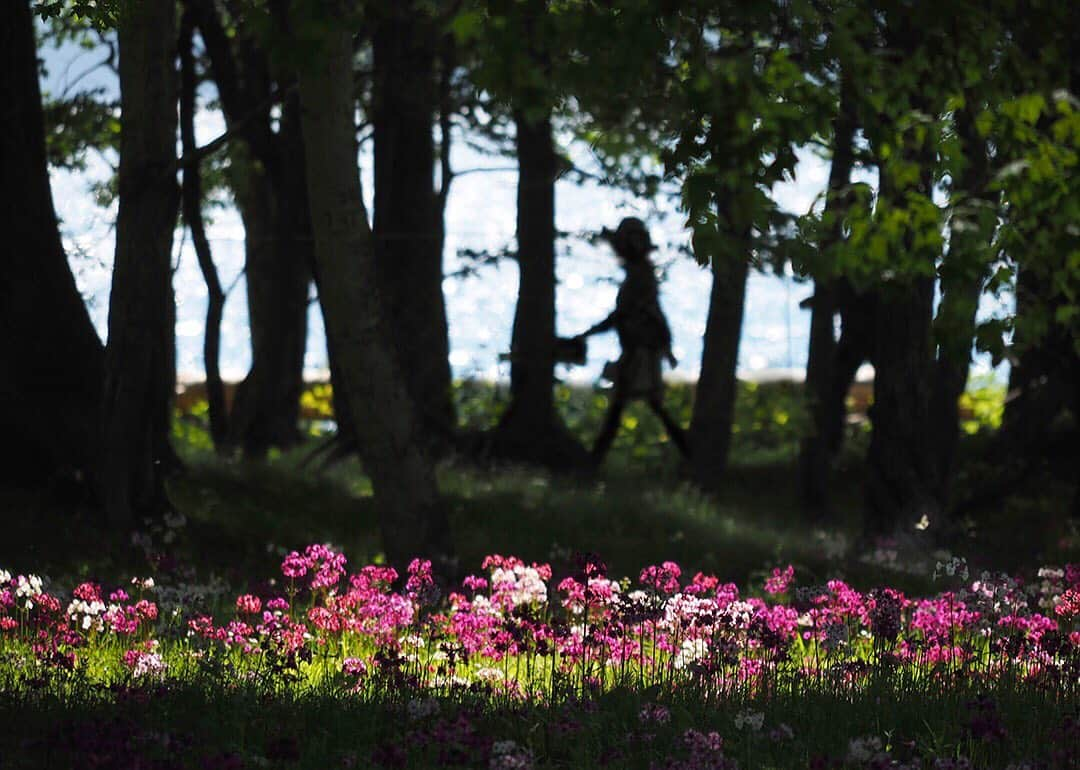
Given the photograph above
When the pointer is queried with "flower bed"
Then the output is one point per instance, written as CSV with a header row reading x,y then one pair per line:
x,y
515,637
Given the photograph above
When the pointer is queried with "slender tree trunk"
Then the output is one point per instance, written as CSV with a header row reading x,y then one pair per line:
x,y
408,232
531,430
816,450
962,276
271,193
714,402
51,360
140,357
411,515
192,196
277,272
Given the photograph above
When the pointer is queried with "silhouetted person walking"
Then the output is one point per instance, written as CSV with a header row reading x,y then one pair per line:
x,y
644,337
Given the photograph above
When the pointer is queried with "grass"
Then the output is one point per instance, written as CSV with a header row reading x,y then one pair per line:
x,y
241,517
636,510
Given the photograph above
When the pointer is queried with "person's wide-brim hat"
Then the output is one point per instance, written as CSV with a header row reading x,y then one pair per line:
x,y
630,237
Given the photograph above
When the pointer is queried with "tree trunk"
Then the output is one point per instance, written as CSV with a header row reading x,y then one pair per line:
x,y
963,273
714,402
902,482
903,472
140,358
266,409
816,450
531,430
269,184
51,359
192,199
408,242
411,516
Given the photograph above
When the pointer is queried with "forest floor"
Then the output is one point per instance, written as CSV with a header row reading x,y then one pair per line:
x,y
635,510
240,519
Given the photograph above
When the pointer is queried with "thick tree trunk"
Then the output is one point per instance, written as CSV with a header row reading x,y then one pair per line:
x,y
51,359
816,450
408,231
411,516
192,196
140,358
714,402
531,430
903,471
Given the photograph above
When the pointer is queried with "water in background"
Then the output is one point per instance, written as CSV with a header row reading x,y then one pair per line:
x,y
480,305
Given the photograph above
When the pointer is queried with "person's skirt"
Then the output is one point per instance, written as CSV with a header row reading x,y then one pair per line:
x,y
636,374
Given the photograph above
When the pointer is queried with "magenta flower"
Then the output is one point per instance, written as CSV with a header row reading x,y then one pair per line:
x,y
249,605
294,566
664,578
780,580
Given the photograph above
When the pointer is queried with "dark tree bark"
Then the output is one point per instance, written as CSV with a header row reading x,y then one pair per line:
x,y
191,198
817,449
51,360
531,430
140,358
962,276
714,402
902,473
272,197
408,214
266,409
411,516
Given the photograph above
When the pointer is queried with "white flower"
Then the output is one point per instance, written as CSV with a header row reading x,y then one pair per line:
x,y
738,614
684,609
955,566
419,708
508,755
752,720
28,586
864,748
5,576
488,674
691,651
149,665
522,585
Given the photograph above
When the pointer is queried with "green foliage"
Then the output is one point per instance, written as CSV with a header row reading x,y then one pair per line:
x,y
982,406
79,124
102,14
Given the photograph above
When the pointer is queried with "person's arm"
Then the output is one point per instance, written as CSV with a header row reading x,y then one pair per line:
x,y
605,325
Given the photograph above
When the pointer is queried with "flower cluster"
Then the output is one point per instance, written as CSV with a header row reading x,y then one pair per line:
x,y
586,630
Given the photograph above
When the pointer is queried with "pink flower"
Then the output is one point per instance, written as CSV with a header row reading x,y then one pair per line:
x,y
354,667
88,592
324,620
780,580
248,604
294,566
664,578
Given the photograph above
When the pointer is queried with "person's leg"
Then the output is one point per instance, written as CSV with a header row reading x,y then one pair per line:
x,y
609,429
674,430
